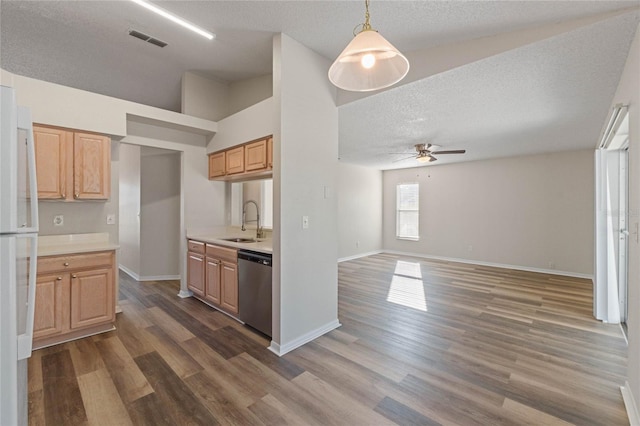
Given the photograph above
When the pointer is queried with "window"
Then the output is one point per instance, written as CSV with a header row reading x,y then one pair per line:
x,y
407,211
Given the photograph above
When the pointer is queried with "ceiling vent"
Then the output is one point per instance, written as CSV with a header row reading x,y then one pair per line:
x,y
147,38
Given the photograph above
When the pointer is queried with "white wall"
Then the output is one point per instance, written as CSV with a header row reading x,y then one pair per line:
x,y
159,214
628,92
251,123
305,177
359,192
129,222
214,100
534,212
245,93
204,97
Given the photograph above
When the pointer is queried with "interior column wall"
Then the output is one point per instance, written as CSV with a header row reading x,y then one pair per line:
x,y
305,169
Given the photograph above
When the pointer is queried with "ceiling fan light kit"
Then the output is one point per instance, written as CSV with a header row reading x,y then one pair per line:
x,y
369,62
425,153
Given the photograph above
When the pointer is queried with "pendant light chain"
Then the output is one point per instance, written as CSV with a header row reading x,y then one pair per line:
x,y
367,25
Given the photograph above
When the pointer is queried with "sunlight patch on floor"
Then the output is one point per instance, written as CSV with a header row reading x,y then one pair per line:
x,y
407,288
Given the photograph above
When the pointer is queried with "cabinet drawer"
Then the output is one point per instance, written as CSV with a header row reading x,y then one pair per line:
x,y
74,262
195,246
222,253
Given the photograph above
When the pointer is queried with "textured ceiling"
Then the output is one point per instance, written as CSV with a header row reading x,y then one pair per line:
x,y
549,94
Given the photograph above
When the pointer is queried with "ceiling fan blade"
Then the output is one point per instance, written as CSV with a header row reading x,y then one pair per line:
x,y
406,158
455,151
432,147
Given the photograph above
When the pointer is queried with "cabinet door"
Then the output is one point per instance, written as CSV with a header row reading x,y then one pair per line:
x,y
217,165
270,153
255,156
235,160
51,162
52,305
212,293
229,284
92,298
91,167
196,273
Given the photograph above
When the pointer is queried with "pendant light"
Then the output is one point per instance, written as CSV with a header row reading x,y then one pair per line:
x,y
369,62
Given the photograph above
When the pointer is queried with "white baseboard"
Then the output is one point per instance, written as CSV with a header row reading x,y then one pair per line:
x,y
148,277
159,278
305,338
358,256
129,272
494,265
630,405
183,294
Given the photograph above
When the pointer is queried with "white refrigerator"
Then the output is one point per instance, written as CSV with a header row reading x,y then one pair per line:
x,y
18,255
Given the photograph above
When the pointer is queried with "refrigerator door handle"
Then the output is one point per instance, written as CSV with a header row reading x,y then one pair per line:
x,y
25,123
25,340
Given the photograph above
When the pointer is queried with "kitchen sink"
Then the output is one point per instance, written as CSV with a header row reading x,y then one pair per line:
x,y
239,240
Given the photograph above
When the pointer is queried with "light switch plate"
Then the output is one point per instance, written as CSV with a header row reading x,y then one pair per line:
x,y
111,219
305,222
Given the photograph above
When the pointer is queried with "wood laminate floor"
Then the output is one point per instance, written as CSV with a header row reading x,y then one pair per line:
x,y
422,342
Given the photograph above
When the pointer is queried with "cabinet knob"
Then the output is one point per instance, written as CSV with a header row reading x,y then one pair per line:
x,y
74,276
59,279
76,195
66,263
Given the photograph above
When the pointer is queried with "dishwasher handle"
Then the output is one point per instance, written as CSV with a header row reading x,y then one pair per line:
x,y
255,257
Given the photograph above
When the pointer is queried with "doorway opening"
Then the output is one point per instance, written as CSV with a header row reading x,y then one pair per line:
x,y
150,199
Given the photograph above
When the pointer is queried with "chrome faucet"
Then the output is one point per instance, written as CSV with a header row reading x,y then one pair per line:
x,y
259,230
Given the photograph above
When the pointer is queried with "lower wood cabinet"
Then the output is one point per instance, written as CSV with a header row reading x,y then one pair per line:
x,y
229,286
196,268
75,297
212,274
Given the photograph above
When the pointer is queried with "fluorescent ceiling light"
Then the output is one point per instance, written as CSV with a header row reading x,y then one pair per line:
x,y
170,16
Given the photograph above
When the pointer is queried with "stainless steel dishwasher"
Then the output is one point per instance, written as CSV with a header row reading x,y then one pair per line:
x,y
254,290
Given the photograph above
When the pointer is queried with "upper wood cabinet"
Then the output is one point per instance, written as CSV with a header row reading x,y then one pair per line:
x,y
51,160
91,166
217,166
235,160
72,165
243,162
255,155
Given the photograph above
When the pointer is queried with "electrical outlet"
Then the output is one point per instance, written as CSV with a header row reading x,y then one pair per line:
x,y
552,264
357,243
111,219
305,222
470,248
58,220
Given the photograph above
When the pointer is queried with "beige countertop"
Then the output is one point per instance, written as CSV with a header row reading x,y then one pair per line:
x,y
216,237
53,245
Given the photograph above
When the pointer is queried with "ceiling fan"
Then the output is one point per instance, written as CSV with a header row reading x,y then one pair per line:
x,y
425,153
